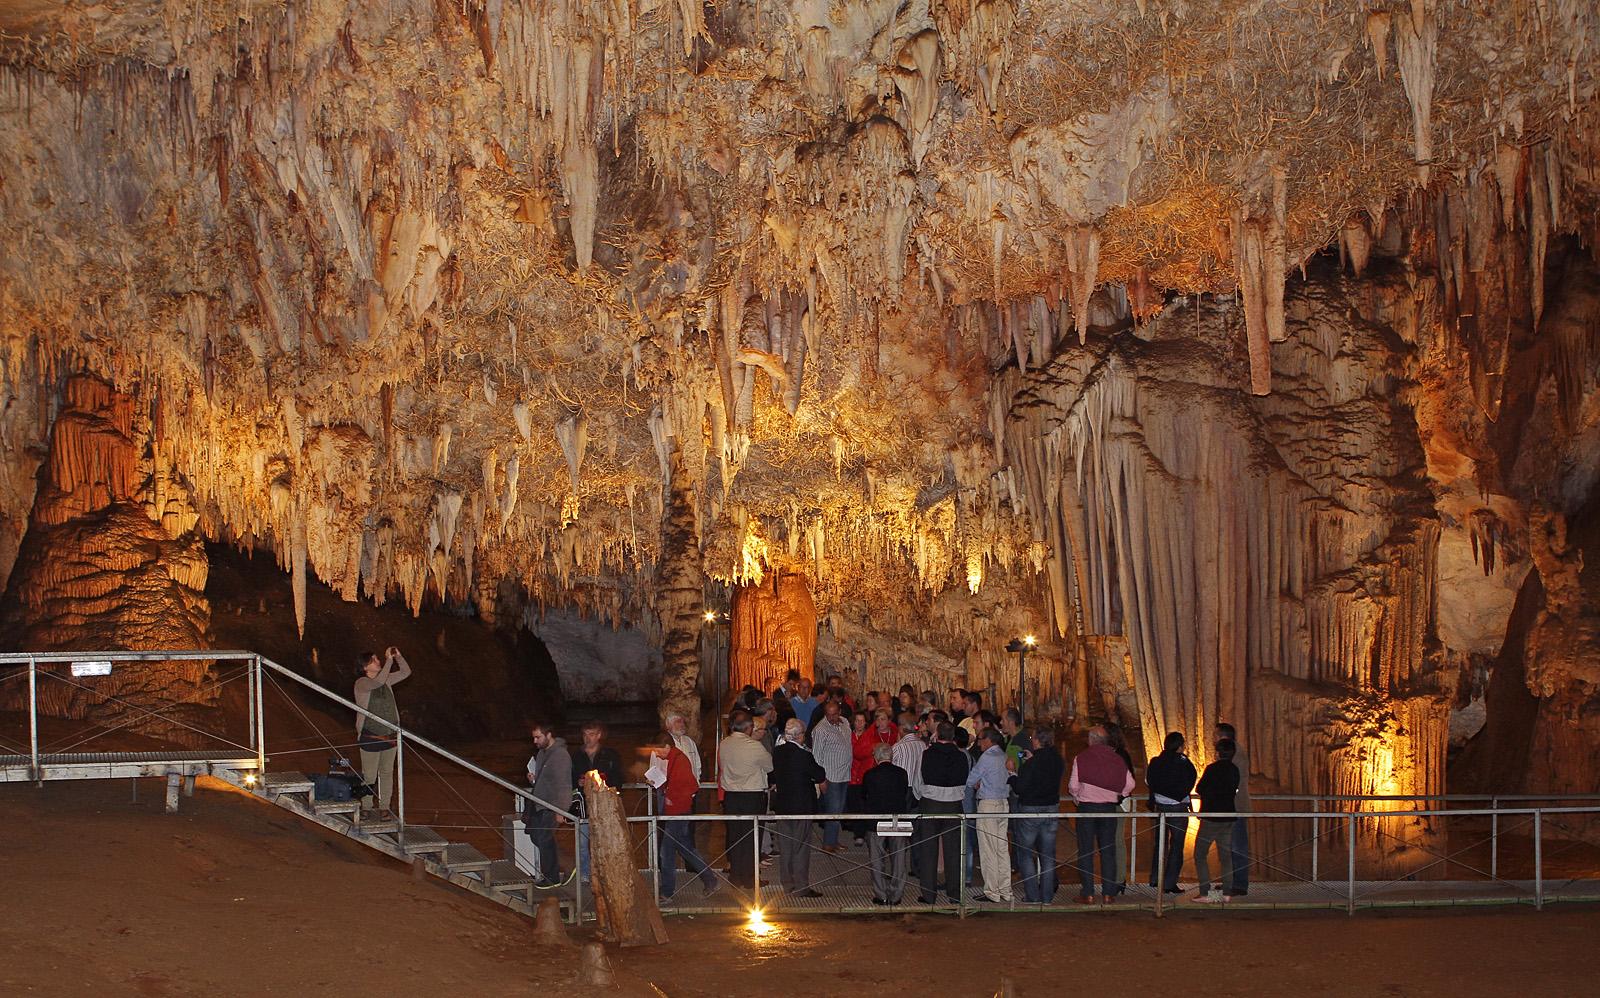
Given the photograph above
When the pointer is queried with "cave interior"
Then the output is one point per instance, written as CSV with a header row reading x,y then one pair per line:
x,y
1246,354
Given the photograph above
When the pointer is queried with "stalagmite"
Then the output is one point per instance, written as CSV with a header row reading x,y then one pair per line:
x,y
680,582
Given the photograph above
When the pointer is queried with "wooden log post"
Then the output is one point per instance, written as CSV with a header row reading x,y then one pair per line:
x,y
624,902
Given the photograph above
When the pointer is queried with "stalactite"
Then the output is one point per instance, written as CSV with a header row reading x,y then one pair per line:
x,y
1083,264
1416,40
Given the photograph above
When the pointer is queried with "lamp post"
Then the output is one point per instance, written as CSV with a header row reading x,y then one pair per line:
x,y
1022,646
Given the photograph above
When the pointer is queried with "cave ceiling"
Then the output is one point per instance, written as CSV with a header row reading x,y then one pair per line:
x,y
424,296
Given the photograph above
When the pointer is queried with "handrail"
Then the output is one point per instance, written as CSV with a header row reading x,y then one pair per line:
x,y
1466,798
1114,815
61,657
418,739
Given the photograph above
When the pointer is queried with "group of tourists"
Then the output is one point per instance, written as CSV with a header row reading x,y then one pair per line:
x,y
804,752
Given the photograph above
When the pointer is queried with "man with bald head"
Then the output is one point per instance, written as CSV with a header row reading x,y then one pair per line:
x,y
795,777
1099,781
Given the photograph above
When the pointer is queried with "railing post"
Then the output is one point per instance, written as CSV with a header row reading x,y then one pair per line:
x,y
400,775
250,699
1133,843
655,848
1494,838
755,846
1316,836
1161,861
261,722
1538,861
961,864
33,720
577,873
1350,882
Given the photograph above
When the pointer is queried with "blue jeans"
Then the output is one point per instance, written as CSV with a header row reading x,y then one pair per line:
x,y
1097,834
1035,839
583,849
676,839
1239,853
1177,831
832,802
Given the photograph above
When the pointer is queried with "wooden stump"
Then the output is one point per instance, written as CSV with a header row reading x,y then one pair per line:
x,y
547,927
624,901
594,969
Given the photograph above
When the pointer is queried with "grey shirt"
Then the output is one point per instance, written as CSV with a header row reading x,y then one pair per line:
x,y
1241,800
550,772
830,745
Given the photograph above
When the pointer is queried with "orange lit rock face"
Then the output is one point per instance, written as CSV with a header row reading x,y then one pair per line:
x,y
110,561
774,630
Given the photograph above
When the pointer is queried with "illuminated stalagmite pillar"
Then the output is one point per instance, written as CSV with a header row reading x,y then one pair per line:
x,y
774,630
111,560
680,591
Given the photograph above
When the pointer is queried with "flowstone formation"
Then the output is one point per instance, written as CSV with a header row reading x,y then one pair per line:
x,y
110,560
975,318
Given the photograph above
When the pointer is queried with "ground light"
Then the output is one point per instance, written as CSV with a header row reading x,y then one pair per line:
x,y
249,779
758,925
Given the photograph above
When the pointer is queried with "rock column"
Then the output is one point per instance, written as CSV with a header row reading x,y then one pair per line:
x,y
111,561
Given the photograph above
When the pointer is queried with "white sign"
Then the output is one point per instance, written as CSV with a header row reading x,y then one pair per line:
x,y
91,669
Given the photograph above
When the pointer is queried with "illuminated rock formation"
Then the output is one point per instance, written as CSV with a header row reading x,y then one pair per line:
x,y
111,560
774,630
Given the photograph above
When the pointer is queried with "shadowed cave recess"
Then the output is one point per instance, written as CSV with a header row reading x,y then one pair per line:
x,y
1243,353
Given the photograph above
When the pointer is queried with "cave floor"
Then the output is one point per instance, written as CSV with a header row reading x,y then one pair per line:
x,y
105,892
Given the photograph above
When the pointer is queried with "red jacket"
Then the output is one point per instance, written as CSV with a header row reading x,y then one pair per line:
x,y
861,747
679,790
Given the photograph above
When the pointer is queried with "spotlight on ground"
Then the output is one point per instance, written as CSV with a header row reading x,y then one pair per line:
x,y
758,925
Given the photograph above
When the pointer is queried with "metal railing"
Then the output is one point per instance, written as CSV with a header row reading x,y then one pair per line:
x,y
1329,815
846,889
258,671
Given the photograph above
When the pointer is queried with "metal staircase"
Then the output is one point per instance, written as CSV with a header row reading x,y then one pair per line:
x,y
247,766
459,863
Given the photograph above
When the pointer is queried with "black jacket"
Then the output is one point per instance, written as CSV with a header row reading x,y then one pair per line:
x,y
885,789
1217,788
944,765
795,775
605,760
1171,775
1038,780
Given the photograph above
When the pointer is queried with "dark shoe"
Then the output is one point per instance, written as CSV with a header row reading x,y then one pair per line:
x,y
1108,898
809,892
925,899
879,901
860,842
1172,890
1237,894
1083,899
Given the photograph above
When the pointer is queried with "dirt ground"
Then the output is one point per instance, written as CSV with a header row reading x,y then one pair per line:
x,y
107,895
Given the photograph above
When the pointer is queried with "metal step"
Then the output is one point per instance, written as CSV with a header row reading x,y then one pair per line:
x,y
326,807
506,875
285,783
420,840
461,858
378,826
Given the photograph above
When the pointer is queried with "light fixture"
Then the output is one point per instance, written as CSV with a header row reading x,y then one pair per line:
x,y
758,925
249,779
711,616
1030,640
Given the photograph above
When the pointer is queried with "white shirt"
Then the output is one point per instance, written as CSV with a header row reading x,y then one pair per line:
x,y
908,756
